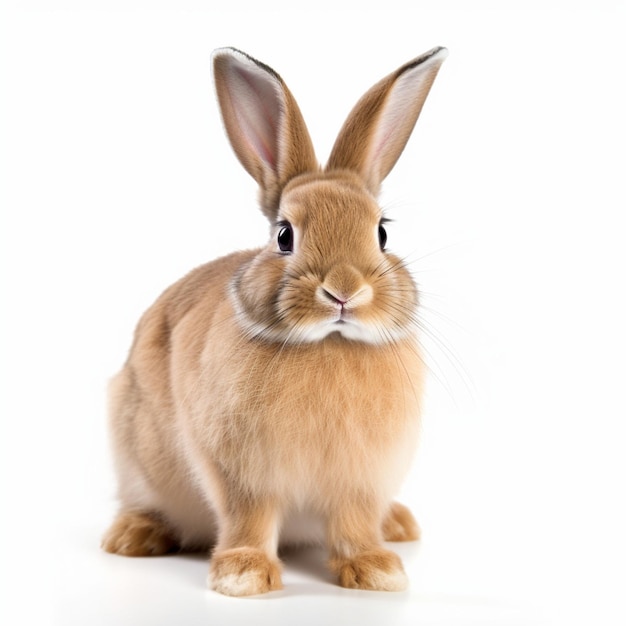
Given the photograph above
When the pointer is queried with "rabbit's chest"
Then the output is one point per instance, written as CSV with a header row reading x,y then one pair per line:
x,y
316,423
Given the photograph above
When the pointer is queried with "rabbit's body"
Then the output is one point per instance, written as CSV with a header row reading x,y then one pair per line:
x,y
317,431
280,384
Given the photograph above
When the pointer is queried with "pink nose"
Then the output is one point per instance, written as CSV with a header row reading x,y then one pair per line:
x,y
333,297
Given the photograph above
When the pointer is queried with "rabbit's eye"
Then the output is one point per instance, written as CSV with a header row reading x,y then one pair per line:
x,y
285,238
382,236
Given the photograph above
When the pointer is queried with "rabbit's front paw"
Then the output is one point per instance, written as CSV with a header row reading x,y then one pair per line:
x,y
244,572
376,570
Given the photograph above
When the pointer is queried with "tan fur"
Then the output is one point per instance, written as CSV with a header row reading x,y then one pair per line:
x,y
290,144
266,386
139,534
399,524
245,572
355,147
375,569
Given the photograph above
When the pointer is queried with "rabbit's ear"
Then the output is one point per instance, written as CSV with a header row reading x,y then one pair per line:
x,y
378,127
263,123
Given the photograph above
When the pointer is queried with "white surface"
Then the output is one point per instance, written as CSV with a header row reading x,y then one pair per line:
x,y
117,179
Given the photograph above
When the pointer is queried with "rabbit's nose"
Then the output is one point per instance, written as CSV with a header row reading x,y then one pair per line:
x,y
345,285
333,297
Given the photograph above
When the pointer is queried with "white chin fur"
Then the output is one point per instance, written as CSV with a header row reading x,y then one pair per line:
x,y
348,330
317,332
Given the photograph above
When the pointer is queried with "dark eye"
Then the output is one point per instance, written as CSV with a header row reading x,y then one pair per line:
x,y
382,236
285,238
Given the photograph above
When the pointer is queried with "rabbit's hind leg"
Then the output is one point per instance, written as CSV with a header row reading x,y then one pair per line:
x,y
139,533
399,524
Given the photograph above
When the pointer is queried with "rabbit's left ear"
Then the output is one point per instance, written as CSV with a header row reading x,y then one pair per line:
x,y
263,123
378,127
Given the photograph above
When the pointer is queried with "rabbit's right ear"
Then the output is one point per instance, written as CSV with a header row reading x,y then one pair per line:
x,y
263,123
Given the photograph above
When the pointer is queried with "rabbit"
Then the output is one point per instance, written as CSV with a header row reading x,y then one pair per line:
x,y
272,396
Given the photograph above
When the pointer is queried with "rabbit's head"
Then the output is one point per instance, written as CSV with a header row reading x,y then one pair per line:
x,y
326,268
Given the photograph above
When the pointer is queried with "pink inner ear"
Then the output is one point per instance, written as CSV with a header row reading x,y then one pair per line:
x,y
257,105
396,123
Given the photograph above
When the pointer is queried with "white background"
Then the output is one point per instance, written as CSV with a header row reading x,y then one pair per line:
x,y
509,199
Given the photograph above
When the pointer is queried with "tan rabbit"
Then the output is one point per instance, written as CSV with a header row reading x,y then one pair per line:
x,y
273,396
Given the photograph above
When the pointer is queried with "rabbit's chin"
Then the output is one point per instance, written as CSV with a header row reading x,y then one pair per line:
x,y
314,332
354,331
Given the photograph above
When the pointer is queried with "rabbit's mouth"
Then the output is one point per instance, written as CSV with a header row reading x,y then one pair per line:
x,y
345,316
347,325
342,309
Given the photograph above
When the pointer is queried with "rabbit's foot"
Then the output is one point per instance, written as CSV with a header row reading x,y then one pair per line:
x,y
139,534
377,570
399,524
244,572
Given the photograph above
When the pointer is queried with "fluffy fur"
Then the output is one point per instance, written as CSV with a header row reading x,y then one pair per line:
x,y
279,385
